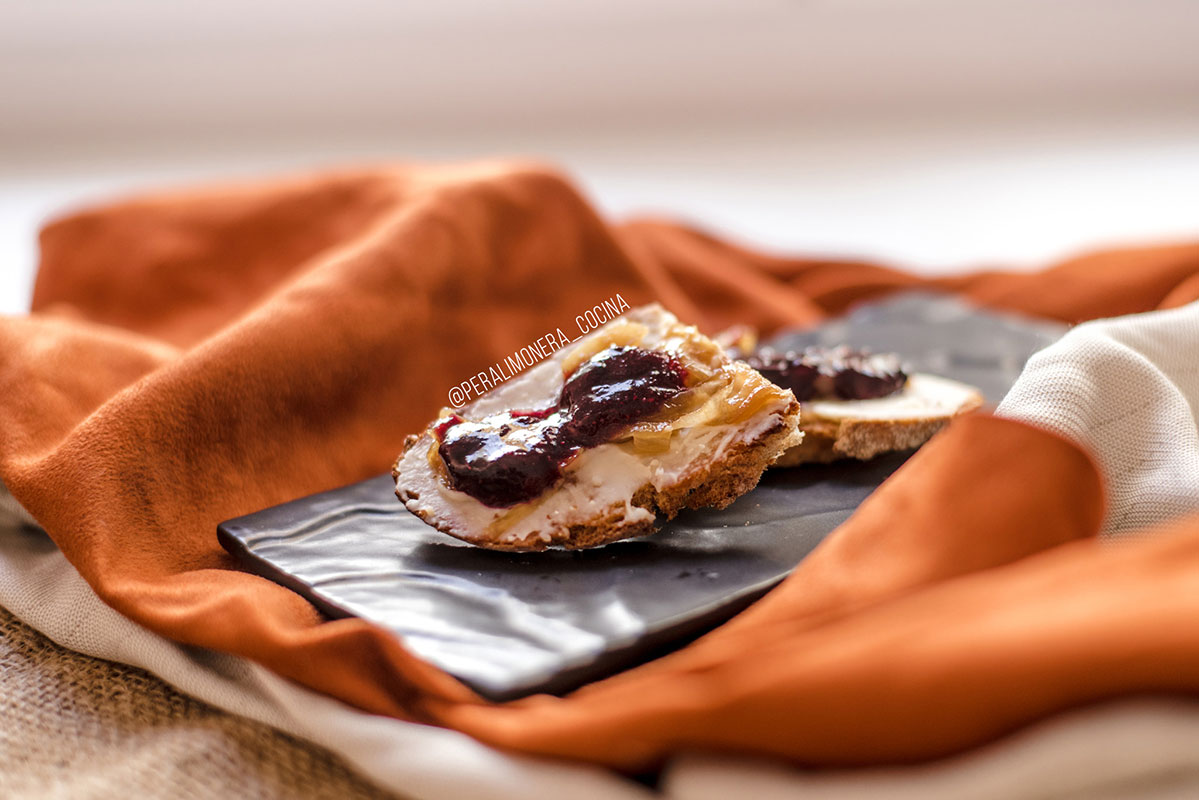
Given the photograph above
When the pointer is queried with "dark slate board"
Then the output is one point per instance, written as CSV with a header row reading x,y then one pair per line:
x,y
509,625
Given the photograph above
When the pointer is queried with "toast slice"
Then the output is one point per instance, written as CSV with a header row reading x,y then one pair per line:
x,y
611,435
862,429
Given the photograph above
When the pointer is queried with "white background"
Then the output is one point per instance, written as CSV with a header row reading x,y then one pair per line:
x,y
934,134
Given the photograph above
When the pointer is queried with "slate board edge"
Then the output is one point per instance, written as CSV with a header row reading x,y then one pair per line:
x,y
666,635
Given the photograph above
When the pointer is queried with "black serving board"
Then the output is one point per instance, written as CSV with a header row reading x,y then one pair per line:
x,y
509,625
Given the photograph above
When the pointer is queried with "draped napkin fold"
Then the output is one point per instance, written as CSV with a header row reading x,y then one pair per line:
x,y
196,356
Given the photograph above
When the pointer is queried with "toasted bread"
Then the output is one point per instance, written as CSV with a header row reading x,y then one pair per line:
x,y
702,454
863,429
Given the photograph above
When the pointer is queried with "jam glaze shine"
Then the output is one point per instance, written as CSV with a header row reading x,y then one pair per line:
x,y
514,456
831,373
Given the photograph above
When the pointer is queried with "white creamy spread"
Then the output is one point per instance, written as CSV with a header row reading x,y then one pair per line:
x,y
923,397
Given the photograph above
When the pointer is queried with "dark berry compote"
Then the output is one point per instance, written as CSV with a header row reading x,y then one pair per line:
x,y
826,373
514,456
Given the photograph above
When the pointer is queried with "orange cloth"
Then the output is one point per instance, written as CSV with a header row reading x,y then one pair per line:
x,y
197,356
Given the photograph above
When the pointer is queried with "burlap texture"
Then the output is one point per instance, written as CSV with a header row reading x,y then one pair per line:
x,y
72,726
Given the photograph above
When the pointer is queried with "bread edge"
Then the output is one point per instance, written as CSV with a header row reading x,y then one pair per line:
x,y
716,485
827,440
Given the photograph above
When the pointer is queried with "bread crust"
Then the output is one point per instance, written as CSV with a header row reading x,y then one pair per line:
x,y
827,440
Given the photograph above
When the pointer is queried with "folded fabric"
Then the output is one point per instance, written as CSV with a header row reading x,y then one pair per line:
x,y
1128,390
197,356
1134,745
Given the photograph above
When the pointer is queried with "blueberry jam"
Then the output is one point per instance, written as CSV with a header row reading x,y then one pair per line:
x,y
514,456
831,373
618,387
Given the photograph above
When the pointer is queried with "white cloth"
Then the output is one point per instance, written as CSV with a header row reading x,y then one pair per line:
x,y
1122,387
1123,750
1127,389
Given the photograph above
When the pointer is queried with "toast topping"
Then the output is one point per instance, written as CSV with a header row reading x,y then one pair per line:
x,y
836,373
513,456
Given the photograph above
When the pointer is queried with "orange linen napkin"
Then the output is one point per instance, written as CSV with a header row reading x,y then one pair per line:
x,y
201,355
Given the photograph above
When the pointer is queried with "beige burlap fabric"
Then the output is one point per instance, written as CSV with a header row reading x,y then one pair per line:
x,y
72,726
